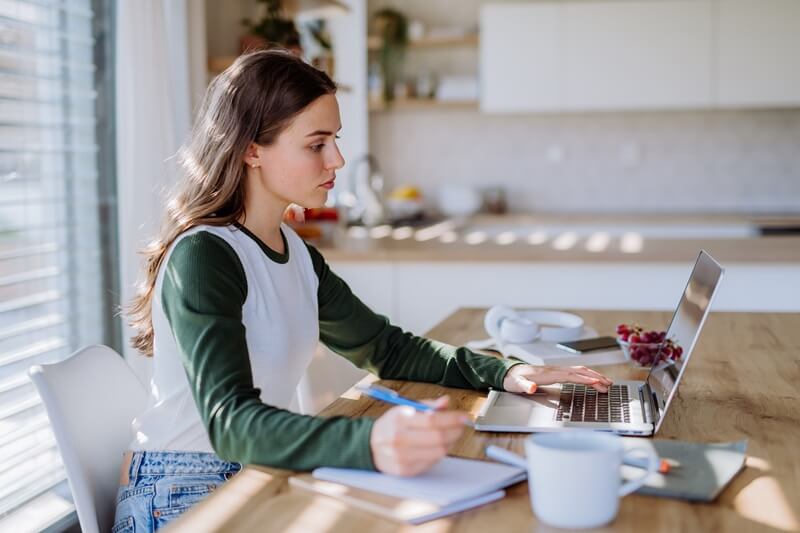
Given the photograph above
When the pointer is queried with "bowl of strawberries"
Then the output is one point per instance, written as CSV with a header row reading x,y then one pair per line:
x,y
646,348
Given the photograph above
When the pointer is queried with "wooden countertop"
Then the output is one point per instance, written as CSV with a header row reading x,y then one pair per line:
x,y
406,244
743,383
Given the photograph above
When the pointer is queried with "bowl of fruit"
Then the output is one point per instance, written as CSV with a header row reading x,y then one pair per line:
x,y
646,348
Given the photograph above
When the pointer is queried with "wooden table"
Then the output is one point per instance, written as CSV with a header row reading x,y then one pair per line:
x,y
744,381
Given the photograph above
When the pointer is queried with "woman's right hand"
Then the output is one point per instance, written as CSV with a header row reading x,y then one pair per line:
x,y
406,442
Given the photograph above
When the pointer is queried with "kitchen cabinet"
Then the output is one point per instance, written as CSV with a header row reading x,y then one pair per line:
x,y
520,52
637,55
642,54
371,282
758,53
423,292
555,56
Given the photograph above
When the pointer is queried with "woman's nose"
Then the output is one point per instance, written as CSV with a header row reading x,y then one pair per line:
x,y
336,160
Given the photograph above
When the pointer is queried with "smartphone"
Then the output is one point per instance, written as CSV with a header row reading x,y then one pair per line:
x,y
588,345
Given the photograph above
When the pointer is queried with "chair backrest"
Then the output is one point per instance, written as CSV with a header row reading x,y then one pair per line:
x,y
91,399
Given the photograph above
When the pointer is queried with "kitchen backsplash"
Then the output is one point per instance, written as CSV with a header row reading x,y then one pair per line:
x,y
710,161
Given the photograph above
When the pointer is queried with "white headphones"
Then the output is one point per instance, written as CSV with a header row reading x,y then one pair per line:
x,y
506,325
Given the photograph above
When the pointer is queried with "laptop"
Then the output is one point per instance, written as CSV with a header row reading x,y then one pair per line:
x,y
629,407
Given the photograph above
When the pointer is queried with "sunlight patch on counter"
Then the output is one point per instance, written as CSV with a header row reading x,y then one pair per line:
x,y
598,242
505,238
449,237
434,232
631,243
565,241
537,237
475,237
380,232
402,233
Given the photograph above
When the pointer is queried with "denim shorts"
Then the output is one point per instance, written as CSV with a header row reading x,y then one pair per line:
x,y
162,485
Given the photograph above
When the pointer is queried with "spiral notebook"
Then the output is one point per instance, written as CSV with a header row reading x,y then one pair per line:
x,y
451,486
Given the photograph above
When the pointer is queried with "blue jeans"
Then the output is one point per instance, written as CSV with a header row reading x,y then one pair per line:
x,y
162,485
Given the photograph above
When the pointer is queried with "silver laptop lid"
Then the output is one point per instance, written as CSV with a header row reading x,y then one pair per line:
x,y
684,330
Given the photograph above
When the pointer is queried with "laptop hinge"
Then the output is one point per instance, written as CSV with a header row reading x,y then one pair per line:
x,y
643,404
651,401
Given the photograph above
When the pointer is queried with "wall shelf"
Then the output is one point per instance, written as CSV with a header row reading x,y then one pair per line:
x,y
374,42
420,104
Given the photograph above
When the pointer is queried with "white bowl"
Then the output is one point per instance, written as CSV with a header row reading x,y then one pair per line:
x,y
459,200
403,208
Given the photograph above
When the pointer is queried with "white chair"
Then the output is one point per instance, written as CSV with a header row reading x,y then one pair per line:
x,y
91,399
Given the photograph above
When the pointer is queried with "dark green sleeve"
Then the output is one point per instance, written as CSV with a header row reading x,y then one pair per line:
x,y
204,289
353,330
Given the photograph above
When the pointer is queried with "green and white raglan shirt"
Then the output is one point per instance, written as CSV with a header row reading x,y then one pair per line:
x,y
235,326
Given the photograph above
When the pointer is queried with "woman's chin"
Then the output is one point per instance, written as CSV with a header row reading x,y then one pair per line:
x,y
317,201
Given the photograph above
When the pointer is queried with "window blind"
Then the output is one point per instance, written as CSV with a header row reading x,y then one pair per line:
x,y
50,230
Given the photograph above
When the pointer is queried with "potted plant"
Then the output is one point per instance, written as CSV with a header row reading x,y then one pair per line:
x,y
273,29
392,27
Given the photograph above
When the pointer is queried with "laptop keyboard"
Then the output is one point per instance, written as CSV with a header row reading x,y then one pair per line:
x,y
579,403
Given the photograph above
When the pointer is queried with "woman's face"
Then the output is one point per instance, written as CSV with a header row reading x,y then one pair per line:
x,y
300,166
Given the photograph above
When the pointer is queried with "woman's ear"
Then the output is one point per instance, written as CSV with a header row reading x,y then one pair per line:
x,y
251,157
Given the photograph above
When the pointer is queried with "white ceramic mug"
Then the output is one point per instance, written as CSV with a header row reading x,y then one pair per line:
x,y
574,477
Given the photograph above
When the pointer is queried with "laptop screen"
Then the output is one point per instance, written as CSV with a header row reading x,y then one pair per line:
x,y
684,329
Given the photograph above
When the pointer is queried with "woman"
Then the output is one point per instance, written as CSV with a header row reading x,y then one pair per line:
x,y
234,303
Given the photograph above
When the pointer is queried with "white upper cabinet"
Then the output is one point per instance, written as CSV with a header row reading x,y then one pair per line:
x,y
571,55
758,53
653,54
520,57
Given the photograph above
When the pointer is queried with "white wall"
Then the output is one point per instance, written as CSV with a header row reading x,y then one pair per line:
x,y
665,161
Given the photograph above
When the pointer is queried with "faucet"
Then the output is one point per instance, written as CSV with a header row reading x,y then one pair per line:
x,y
363,197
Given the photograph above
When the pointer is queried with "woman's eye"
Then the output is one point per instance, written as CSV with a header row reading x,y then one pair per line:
x,y
320,146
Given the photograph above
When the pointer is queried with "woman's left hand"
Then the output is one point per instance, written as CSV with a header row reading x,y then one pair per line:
x,y
526,378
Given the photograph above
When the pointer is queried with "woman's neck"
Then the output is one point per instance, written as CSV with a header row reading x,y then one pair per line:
x,y
263,218
268,233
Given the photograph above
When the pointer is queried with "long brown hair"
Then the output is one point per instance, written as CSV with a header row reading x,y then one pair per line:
x,y
253,100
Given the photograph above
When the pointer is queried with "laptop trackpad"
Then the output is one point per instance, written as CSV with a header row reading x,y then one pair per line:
x,y
524,410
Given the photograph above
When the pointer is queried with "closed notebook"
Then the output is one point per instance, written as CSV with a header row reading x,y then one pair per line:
x,y
705,469
453,485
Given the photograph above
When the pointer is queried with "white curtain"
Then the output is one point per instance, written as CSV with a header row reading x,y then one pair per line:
x,y
153,100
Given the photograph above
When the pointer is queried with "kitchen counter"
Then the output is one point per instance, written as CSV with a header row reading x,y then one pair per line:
x,y
554,238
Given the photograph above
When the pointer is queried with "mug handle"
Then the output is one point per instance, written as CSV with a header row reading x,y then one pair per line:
x,y
652,466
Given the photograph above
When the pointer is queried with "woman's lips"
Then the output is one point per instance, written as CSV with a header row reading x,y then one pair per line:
x,y
328,184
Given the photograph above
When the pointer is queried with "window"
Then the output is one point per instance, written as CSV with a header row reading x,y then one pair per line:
x,y
56,221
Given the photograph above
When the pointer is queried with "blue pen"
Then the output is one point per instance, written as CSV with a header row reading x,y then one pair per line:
x,y
384,394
